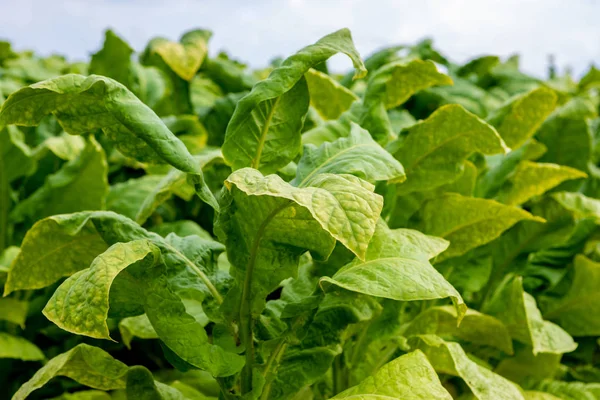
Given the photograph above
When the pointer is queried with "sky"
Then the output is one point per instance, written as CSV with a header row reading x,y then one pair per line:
x,y
255,31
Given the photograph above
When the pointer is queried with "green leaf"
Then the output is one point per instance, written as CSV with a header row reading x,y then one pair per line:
x,y
139,326
499,167
567,135
80,304
526,367
85,104
358,154
577,311
397,267
19,348
126,197
518,310
181,228
85,395
85,364
182,333
395,82
475,327
67,244
81,184
267,223
65,146
13,310
450,358
327,96
409,377
330,131
590,80
579,205
535,395
433,151
570,390
142,386
519,119
15,156
113,60
183,58
466,222
532,179
264,131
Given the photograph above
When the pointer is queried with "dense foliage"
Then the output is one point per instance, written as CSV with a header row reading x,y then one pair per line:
x,y
177,226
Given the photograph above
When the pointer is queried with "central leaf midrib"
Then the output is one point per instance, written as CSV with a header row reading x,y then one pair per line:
x,y
263,134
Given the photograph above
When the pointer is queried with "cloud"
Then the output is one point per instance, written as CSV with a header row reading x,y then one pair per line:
x,y
259,30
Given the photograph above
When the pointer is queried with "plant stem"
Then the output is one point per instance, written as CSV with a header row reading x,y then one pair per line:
x,y
338,374
246,319
271,367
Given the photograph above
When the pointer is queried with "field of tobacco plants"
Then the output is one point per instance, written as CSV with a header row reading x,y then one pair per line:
x,y
179,226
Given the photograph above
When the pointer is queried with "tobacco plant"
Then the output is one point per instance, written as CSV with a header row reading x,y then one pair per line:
x,y
176,226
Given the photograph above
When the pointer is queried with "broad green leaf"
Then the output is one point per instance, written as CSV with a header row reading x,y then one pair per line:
x,y
19,348
264,131
567,135
16,158
126,197
475,327
80,304
13,310
397,267
181,228
409,377
67,244
519,119
183,58
590,80
267,223
139,326
466,222
65,146
578,310
142,386
7,256
518,310
465,93
433,151
570,390
113,60
85,104
526,367
81,184
394,83
182,333
579,205
499,167
400,207
330,131
216,118
327,96
85,364
533,179
358,154
450,358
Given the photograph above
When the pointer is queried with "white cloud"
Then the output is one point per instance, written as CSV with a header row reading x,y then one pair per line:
x,y
259,30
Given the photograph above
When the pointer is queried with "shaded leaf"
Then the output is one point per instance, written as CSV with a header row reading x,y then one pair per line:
x,y
466,222
433,151
85,364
